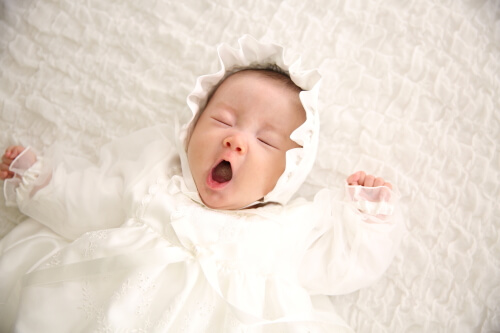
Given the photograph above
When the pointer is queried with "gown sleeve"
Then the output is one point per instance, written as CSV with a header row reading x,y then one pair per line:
x,y
354,242
72,195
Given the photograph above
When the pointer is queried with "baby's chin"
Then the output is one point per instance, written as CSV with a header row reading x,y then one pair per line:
x,y
224,205
229,205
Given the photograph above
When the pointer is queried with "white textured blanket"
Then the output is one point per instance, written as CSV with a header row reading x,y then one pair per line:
x,y
411,91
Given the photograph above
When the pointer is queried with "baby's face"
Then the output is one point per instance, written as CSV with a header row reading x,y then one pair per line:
x,y
237,149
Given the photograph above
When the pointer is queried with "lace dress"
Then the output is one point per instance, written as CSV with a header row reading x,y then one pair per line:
x,y
123,245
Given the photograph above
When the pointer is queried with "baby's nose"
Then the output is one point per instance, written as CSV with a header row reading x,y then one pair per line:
x,y
236,143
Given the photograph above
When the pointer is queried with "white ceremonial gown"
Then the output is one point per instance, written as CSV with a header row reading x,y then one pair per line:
x,y
126,245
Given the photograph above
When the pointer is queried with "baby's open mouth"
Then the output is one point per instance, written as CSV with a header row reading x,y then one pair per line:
x,y
222,172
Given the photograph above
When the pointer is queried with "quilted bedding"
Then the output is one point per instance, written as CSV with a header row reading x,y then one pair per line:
x,y
410,92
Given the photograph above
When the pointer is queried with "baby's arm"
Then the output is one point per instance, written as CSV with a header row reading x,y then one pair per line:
x,y
10,155
67,196
356,240
72,195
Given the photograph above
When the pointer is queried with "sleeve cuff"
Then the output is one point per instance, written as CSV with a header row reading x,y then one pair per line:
x,y
27,168
376,201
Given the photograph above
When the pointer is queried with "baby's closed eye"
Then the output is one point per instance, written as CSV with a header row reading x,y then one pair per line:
x,y
222,121
268,142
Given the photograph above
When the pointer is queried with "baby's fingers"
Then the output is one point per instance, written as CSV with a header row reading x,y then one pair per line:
x,y
369,181
6,160
4,172
362,179
13,151
357,178
353,179
379,181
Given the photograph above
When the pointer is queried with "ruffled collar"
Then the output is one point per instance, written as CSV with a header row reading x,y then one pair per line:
x,y
251,53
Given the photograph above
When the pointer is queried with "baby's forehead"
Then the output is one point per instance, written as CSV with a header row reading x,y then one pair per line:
x,y
271,76
262,83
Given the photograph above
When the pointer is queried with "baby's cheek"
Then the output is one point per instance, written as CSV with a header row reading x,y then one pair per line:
x,y
278,167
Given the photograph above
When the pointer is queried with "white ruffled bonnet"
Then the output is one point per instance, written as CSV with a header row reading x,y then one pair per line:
x,y
254,54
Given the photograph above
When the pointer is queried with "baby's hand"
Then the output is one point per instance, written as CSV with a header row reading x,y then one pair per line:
x,y
10,154
362,179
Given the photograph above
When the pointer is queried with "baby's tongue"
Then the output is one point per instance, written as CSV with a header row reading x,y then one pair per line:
x,y
222,172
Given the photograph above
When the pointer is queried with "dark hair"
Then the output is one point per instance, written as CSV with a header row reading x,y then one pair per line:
x,y
275,72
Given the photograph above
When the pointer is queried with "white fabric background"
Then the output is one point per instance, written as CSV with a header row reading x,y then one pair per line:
x,y
410,91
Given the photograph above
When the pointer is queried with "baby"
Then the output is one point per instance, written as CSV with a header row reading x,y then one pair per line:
x,y
131,244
